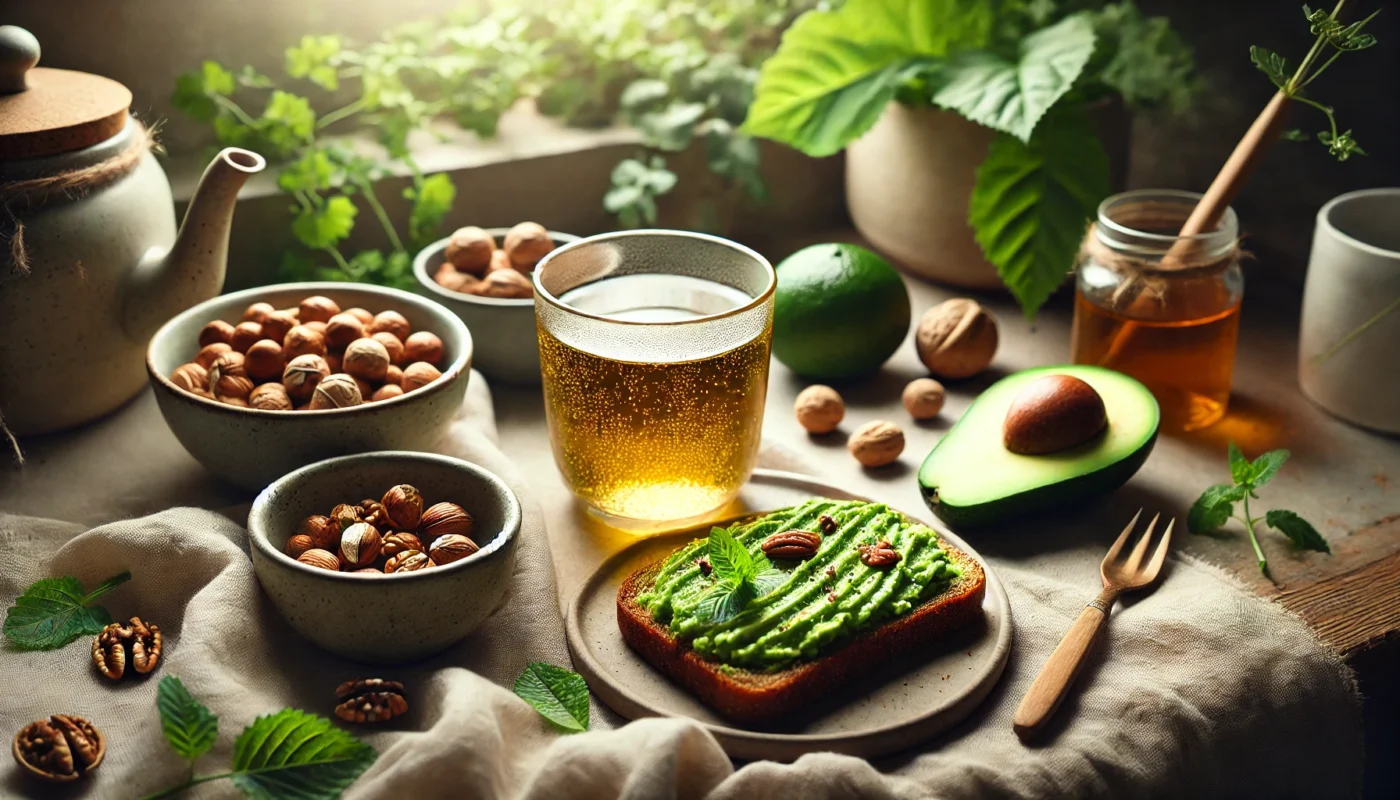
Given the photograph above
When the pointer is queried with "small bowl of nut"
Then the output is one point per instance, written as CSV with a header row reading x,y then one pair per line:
x,y
388,557
483,276
257,383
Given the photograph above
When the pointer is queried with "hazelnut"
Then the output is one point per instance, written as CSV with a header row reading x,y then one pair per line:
x,y
505,284
404,507
422,346
257,312
302,341
442,519
386,392
526,244
360,314
302,375
451,547
324,531
392,344
317,309
391,322
417,375
230,363
345,515
335,362
278,324
206,355
270,397
469,250
923,398
450,279
298,544
408,561
228,400
393,375
499,260
232,387
819,409
336,391
244,335
367,359
263,360
190,377
396,543
318,326
876,443
360,544
956,338
342,329
321,559
217,331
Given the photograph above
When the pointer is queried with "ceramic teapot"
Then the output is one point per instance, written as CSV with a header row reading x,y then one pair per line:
x,y
90,259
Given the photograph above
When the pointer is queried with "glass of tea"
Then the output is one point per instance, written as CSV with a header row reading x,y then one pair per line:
x,y
1161,307
654,351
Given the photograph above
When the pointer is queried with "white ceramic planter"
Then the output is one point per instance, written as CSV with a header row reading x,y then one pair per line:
x,y
1353,275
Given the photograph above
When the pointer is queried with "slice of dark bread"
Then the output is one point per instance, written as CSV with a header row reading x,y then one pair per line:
x,y
761,698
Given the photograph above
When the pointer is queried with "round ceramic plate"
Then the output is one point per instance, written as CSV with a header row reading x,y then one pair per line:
x,y
929,692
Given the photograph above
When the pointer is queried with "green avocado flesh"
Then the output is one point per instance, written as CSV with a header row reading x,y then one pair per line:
x,y
798,620
970,478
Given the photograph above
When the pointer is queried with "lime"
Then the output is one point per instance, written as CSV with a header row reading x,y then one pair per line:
x,y
840,311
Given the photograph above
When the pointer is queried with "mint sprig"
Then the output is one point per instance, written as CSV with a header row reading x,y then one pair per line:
x,y
1216,505
560,695
55,611
740,577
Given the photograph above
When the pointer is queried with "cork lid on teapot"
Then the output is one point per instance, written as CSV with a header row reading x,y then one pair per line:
x,y
44,111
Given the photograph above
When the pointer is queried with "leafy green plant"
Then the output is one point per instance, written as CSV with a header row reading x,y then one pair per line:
x,y
1216,505
54,611
323,761
561,696
1026,69
740,577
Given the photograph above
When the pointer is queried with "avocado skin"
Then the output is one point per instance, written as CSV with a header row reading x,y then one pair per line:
x,y
1043,498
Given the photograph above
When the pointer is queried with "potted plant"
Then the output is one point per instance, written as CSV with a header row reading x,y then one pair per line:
x,y
972,155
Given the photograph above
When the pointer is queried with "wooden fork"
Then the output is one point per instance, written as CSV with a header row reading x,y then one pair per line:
x,y
1055,678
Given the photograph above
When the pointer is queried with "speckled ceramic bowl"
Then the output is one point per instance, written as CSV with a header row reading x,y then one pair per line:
x,y
250,447
507,345
386,619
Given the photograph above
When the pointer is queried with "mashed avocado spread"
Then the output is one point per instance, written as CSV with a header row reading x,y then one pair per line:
x,y
823,601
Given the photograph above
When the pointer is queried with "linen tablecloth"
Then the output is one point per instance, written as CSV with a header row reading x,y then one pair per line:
x,y
1198,688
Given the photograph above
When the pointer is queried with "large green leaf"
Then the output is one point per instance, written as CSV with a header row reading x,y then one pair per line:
x,y
1032,202
1013,96
560,695
1303,535
188,725
293,755
54,611
835,71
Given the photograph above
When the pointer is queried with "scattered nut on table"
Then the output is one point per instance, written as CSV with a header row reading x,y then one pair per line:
x,y
61,748
819,409
370,700
390,535
137,644
956,338
923,398
876,443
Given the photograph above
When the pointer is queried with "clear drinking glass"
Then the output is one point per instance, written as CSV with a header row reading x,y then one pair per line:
x,y
654,351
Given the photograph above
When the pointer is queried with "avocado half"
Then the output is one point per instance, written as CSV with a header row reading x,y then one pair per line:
x,y
970,479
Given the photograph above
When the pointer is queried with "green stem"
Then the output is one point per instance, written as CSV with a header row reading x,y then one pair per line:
x,y
1320,70
1297,82
368,189
1350,337
236,110
339,260
341,113
1254,540
174,790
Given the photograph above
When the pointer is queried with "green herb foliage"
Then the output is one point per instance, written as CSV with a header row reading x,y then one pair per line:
x,y
1216,505
290,755
55,611
561,696
1333,38
740,577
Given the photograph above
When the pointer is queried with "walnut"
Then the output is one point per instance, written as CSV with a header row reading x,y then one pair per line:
x,y
303,374
956,338
367,359
336,391
876,443
795,545
819,409
61,748
526,244
880,555
370,700
396,543
408,561
451,547
469,250
923,398
110,648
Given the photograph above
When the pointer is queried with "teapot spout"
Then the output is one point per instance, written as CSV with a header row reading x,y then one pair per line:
x,y
167,282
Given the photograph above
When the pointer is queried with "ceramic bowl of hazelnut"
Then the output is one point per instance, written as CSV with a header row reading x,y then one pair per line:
x,y
484,276
385,557
257,383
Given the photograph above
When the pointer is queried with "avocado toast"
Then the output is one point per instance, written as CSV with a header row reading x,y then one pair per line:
x,y
821,623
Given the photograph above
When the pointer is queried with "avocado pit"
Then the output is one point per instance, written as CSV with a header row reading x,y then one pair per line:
x,y
1053,413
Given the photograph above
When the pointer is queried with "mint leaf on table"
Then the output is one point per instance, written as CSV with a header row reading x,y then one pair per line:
x,y
1240,470
55,611
188,725
1213,508
1265,467
560,695
293,754
1301,532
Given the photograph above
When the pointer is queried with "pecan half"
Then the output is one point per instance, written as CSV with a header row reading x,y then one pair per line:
x,y
828,525
792,545
880,555
396,543
110,648
61,748
370,700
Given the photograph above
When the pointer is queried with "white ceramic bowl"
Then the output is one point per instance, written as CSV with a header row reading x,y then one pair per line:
x,y
386,619
251,447
507,344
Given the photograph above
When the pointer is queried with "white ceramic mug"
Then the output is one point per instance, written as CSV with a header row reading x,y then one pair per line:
x,y
1353,280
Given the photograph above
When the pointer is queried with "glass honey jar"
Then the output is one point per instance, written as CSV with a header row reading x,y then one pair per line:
x,y
1161,307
